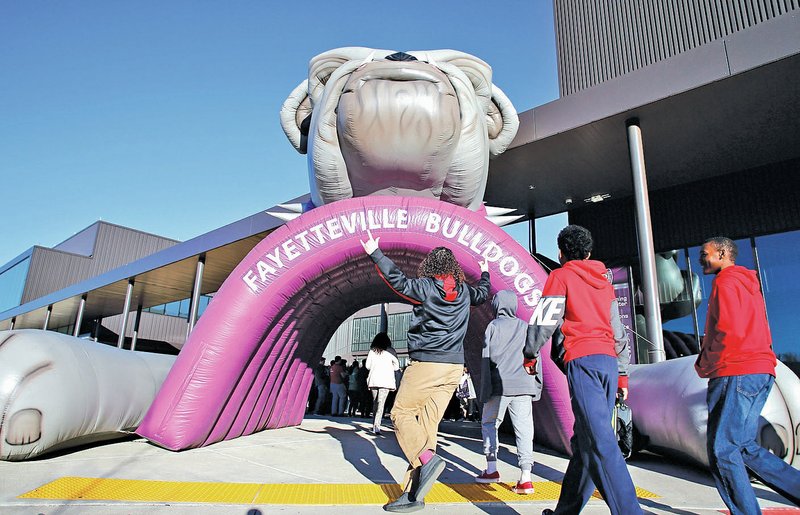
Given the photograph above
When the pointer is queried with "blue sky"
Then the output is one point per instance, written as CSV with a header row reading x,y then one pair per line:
x,y
163,116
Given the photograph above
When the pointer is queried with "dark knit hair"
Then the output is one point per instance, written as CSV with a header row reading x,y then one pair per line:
x,y
727,245
575,242
381,342
441,261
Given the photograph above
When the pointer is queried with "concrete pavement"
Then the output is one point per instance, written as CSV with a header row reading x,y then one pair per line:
x,y
325,465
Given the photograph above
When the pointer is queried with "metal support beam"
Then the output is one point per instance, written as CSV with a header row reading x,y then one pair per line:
x,y
531,234
136,327
13,323
198,284
647,256
98,324
79,316
47,317
124,323
695,323
384,322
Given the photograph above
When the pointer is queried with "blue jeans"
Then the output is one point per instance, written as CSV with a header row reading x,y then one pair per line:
x,y
596,458
734,406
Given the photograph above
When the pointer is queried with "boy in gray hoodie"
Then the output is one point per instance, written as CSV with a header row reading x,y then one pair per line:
x,y
506,385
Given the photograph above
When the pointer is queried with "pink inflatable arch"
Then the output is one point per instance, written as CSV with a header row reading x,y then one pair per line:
x,y
248,364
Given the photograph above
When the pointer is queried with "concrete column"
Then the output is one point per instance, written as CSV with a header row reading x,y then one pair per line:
x,y
136,327
79,316
125,310
47,317
198,284
647,256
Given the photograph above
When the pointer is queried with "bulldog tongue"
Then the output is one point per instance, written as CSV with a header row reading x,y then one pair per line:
x,y
397,135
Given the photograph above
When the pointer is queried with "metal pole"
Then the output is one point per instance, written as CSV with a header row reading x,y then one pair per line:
x,y
757,264
98,324
47,317
198,283
531,234
79,316
124,323
691,295
13,323
383,327
644,229
136,327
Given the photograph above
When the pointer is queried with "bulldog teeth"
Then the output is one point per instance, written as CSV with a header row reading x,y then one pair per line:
x,y
498,211
500,221
286,217
294,208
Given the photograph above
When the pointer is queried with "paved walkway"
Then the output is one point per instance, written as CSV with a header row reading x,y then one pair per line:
x,y
324,466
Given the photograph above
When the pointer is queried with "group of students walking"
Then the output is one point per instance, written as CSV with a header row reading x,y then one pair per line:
x,y
579,312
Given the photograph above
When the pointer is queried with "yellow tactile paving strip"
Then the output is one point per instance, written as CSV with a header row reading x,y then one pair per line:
x,y
100,489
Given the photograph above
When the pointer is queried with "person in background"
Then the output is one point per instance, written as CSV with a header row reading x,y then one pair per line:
x,y
737,358
338,389
353,395
578,299
321,381
466,396
440,316
382,363
365,398
507,385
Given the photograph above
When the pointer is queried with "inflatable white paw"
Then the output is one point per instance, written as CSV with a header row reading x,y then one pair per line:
x,y
668,401
58,391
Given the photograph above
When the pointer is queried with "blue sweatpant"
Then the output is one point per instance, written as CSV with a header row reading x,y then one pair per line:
x,y
596,458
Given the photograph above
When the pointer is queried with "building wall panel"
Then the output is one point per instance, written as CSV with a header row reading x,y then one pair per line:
x,y
598,41
115,246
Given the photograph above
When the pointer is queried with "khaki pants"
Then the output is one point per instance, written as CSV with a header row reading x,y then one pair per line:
x,y
423,396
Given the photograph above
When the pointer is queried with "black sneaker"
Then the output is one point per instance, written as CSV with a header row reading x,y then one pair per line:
x,y
404,504
428,474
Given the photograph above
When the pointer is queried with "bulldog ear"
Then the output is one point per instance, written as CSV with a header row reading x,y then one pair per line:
x,y
296,117
502,122
323,65
478,71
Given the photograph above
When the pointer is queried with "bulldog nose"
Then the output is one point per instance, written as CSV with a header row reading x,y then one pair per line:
x,y
400,56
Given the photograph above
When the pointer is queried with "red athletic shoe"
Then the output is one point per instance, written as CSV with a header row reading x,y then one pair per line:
x,y
525,488
486,477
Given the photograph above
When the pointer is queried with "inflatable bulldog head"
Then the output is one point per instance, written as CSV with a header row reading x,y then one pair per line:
x,y
379,122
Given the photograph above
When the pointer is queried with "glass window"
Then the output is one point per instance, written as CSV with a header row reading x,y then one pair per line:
x,y
183,309
12,282
202,305
678,301
778,263
172,309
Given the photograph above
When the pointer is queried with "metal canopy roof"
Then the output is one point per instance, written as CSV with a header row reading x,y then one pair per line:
x,y
715,110
165,276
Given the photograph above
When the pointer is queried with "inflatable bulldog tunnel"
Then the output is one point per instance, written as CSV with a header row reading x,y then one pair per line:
x,y
248,364
398,143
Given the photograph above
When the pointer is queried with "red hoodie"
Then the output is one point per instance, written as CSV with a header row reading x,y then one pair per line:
x,y
578,298
737,339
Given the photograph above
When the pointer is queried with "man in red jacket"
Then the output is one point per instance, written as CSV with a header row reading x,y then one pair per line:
x,y
579,299
737,358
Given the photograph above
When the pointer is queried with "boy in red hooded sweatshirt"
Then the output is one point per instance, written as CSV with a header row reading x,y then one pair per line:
x,y
578,299
441,298
737,358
